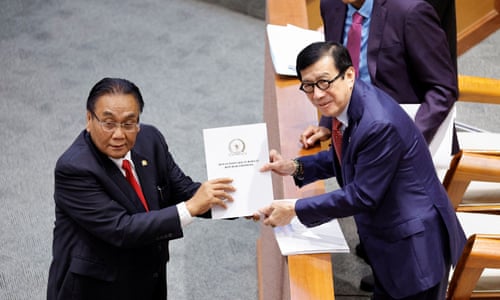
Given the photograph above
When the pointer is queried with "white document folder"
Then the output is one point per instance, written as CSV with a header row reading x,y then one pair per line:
x,y
239,152
295,238
285,43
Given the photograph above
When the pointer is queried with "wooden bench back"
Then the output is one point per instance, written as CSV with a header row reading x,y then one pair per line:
x,y
481,251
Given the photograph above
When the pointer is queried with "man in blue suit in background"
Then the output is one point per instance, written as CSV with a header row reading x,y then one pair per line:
x,y
387,178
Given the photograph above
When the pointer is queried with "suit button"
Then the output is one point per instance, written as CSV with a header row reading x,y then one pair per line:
x,y
155,275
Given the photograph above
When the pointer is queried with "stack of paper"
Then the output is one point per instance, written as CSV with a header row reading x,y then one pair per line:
x,y
285,43
295,238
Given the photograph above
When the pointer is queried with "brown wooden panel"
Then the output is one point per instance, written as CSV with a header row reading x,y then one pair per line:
x,y
312,277
313,14
475,21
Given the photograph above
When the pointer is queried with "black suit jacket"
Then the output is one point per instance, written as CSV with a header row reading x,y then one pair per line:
x,y
105,245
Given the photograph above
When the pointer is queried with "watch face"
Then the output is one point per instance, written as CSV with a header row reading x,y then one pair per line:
x,y
236,146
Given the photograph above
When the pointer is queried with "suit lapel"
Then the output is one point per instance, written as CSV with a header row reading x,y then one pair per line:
x,y
336,18
129,193
129,200
146,174
355,112
377,23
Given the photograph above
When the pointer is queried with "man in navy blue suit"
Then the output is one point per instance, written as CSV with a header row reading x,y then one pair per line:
x,y
387,178
108,242
408,49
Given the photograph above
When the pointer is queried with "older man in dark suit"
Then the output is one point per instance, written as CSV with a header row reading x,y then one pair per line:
x,y
407,49
387,178
120,198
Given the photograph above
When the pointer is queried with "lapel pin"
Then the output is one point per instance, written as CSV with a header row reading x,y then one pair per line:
x,y
144,163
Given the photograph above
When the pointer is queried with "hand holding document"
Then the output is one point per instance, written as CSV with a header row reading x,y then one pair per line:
x,y
239,152
295,238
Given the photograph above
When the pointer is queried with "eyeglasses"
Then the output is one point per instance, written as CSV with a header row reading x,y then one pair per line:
x,y
308,87
110,126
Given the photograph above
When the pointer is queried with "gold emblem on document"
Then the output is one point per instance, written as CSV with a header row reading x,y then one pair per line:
x,y
236,146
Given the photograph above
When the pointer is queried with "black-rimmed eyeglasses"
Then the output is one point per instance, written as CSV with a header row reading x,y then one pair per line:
x,y
110,126
322,84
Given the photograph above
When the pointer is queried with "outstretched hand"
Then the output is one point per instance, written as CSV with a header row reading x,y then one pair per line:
x,y
211,193
278,165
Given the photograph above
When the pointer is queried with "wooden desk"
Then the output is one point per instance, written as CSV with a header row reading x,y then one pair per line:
x,y
287,112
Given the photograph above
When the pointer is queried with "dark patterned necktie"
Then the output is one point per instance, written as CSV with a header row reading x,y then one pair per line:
x,y
337,137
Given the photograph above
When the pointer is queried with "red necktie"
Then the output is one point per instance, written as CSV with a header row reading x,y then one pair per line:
x,y
131,179
354,40
337,137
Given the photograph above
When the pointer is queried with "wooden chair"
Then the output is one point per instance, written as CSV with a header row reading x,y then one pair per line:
x,y
472,167
473,185
477,274
481,251
473,178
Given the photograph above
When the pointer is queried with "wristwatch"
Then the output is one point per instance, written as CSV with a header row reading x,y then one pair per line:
x,y
299,169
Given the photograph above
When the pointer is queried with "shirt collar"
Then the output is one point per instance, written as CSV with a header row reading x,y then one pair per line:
x,y
343,118
118,161
365,10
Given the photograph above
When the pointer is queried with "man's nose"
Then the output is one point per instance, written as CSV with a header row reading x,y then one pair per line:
x,y
318,93
119,132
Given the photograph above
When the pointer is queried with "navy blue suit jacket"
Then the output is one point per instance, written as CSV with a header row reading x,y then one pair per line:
x,y
105,245
408,57
389,184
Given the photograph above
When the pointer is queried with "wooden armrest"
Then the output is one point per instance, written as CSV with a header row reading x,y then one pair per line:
x,y
481,251
479,89
470,166
484,209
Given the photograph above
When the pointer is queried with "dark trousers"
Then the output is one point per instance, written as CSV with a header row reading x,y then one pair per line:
x,y
437,292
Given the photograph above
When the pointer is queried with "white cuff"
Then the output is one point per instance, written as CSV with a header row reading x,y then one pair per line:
x,y
184,215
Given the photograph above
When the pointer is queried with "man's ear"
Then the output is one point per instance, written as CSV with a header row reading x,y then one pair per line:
x,y
89,119
350,73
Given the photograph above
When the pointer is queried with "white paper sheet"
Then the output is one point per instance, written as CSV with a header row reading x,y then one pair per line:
x,y
295,238
285,43
479,141
239,152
